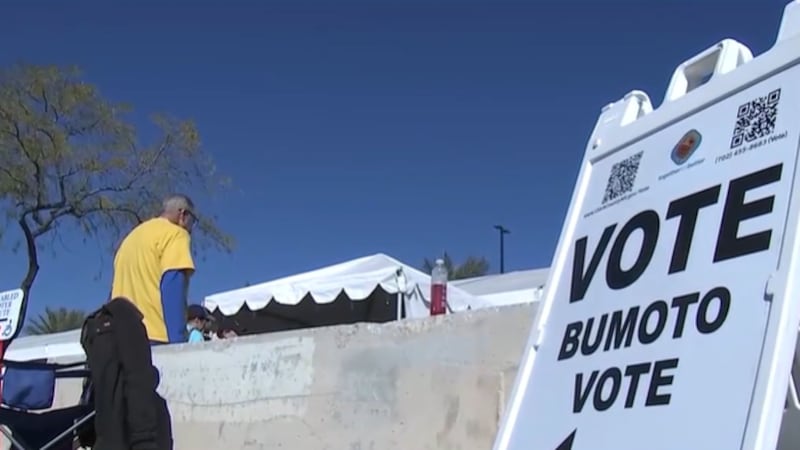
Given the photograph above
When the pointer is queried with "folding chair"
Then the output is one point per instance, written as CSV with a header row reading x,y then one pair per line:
x,y
26,417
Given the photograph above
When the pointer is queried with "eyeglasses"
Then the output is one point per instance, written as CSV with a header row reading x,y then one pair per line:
x,y
189,214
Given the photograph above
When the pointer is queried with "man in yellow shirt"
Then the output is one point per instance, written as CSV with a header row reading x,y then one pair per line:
x,y
152,268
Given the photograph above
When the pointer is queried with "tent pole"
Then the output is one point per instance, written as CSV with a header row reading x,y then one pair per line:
x,y
401,283
400,299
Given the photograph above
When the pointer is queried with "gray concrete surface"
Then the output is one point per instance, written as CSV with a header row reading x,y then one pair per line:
x,y
436,384
433,384
424,384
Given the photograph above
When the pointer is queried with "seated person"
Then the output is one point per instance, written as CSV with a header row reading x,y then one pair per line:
x,y
216,330
226,334
197,319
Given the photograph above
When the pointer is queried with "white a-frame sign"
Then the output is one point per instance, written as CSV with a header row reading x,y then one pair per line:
x,y
671,313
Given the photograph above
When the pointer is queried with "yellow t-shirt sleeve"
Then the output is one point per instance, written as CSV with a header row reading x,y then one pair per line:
x,y
177,254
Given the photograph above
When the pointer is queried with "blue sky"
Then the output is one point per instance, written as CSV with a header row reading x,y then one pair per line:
x,y
351,128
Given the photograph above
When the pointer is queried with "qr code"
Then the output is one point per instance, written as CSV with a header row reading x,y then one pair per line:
x,y
756,119
622,177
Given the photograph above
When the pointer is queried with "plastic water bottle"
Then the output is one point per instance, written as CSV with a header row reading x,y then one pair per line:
x,y
439,288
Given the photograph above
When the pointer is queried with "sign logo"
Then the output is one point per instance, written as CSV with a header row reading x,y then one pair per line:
x,y
684,149
10,312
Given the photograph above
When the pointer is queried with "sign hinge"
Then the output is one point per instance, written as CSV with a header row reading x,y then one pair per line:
x,y
539,338
769,288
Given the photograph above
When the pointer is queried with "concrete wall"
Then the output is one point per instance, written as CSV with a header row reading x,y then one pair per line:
x,y
434,384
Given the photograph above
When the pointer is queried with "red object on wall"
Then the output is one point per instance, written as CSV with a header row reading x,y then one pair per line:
x,y
439,289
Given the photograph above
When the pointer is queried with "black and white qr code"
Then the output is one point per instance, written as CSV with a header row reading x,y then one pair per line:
x,y
622,177
756,119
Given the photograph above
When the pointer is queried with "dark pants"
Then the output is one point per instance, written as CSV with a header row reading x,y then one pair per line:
x,y
130,413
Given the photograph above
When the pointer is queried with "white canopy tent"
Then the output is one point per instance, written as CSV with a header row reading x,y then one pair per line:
x,y
357,279
523,286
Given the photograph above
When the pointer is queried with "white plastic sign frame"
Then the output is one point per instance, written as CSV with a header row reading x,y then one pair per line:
x,y
671,311
11,305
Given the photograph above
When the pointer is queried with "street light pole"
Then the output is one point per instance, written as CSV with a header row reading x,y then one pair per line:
x,y
503,232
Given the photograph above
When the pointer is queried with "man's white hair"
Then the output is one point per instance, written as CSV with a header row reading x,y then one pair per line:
x,y
177,202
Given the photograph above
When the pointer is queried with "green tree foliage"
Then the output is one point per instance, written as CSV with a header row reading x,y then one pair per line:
x,y
71,158
56,320
470,268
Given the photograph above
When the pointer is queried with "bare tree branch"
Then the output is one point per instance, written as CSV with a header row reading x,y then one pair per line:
x,y
69,158
33,256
